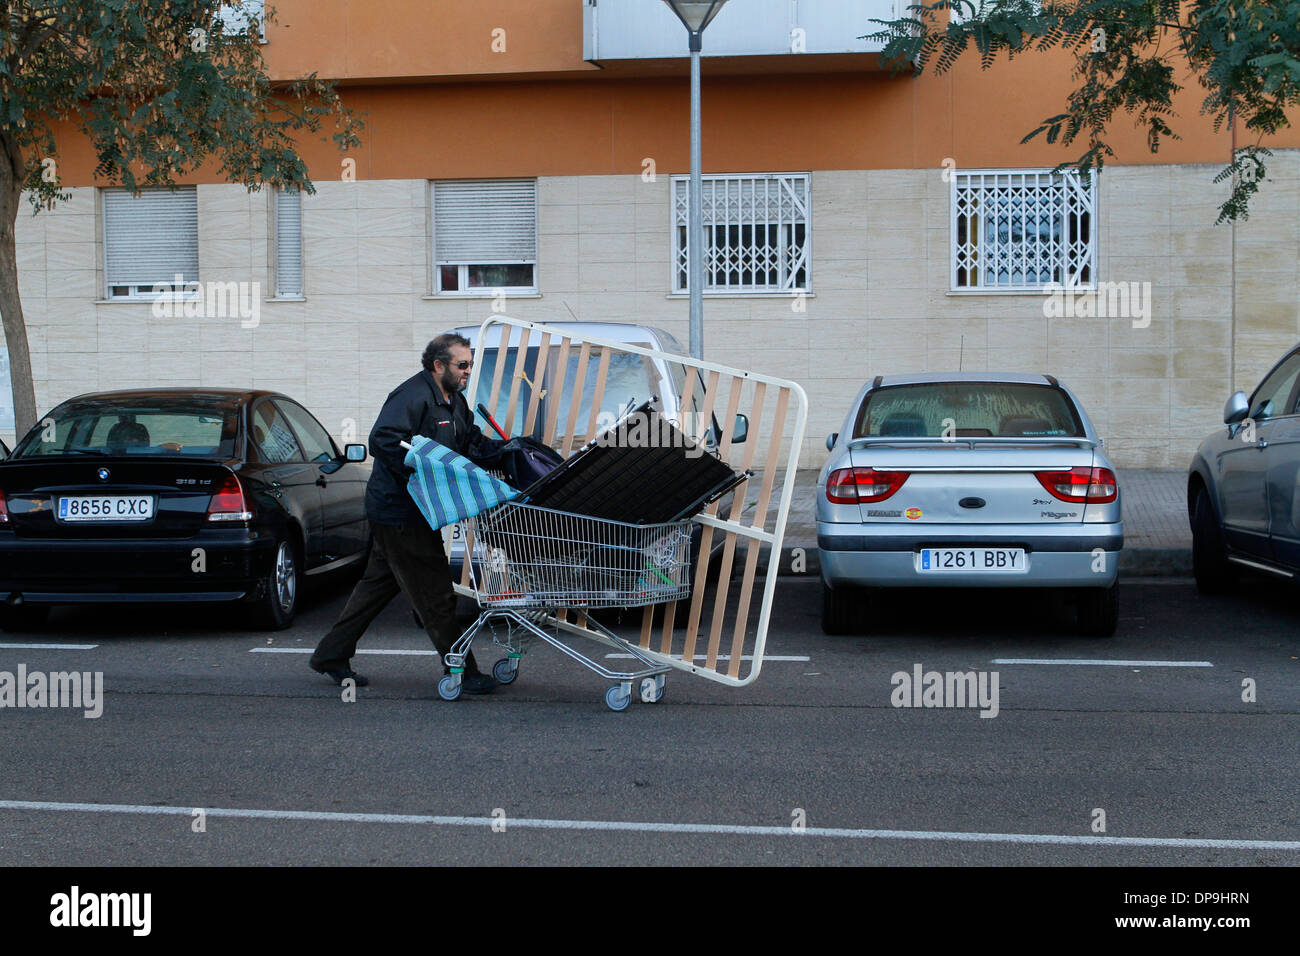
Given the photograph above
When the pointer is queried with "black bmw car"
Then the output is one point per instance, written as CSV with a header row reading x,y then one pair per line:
x,y
176,494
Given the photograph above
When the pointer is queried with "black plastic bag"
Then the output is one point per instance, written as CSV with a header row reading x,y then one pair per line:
x,y
524,460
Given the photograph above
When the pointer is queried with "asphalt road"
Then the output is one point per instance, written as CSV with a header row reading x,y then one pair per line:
x,y
192,718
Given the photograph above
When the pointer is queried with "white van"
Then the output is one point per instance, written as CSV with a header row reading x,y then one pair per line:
x,y
631,380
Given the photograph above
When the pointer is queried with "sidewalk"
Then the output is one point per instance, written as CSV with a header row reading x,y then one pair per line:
x,y
1157,537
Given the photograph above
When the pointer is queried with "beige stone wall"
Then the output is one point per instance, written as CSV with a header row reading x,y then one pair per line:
x,y
880,301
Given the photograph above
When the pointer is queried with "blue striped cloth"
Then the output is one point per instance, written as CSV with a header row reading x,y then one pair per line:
x,y
448,487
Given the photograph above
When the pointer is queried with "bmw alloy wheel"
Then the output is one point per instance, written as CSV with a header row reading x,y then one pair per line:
x,y
285,577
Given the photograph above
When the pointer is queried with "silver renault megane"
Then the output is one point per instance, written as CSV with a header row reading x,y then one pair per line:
x,y
968,479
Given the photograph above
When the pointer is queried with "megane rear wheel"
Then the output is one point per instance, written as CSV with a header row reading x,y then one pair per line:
x,y
843,610
1099,611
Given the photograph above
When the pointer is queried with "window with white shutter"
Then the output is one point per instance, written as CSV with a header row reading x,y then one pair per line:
x,y
237,17
756,233
151,242
1019,230
286,207
484,236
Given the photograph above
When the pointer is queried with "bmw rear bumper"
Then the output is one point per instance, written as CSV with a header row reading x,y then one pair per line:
x,y
225,564
1075,555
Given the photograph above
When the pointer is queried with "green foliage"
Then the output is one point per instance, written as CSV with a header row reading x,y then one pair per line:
x,y
159,87
1130,56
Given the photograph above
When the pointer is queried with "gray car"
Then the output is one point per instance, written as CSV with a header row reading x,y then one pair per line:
x,y
1243,487
967,480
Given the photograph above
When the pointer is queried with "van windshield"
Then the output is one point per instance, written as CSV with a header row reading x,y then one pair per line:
x,y
631,378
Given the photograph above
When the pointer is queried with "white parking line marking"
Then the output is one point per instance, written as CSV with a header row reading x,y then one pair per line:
x,y
1101,663
797,659
372,650
524,823
52,647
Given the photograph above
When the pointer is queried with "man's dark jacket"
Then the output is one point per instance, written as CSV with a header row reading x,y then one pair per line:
x,y
416,407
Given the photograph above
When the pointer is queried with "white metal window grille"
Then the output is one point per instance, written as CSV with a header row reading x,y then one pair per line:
x,y
484,235
1020,230
149,241
287,212
756,231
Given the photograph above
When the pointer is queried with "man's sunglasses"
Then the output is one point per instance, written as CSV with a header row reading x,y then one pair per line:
x,y
459,365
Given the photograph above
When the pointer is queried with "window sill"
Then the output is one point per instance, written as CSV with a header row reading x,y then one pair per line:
x,y
1036,293
125,300
449,296
746,295
286,298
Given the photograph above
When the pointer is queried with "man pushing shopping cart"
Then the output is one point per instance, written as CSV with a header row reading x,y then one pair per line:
x,y
407,554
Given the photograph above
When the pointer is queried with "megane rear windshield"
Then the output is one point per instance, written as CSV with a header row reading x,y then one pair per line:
x,y
968,410
149,428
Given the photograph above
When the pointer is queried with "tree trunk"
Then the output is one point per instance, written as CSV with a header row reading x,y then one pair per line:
x,y
11,306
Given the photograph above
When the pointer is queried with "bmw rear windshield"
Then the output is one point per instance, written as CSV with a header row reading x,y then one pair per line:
x,y
968,410
162,428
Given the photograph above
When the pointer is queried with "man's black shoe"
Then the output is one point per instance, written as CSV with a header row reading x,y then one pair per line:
x,y
340,674
478,683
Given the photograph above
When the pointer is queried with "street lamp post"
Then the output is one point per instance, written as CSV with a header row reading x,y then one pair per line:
x,y
695,16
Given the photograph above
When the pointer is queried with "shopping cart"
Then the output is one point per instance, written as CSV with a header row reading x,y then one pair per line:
x,y
530,566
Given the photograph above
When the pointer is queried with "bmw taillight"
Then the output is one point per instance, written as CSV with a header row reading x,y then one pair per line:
x,y
1082,485
851,486
229,502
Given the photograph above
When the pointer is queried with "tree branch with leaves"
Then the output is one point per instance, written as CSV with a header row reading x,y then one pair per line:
x,y
159,88
1129,57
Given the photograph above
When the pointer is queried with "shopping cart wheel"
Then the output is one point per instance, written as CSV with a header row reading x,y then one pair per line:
x,y
616,698
506,670
652,689
449,687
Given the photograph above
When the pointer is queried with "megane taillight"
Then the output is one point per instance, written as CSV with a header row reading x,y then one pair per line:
x,y
1081,485
229,503
851,486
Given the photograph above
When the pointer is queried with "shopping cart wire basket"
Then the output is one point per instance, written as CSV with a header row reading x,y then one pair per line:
x,y
530,566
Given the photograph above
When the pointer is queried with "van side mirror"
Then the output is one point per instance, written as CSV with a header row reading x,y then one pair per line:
x,y
354,453
740,430
831,439
1235,409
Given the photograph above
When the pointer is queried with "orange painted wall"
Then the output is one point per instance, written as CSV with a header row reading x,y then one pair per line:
x,y
603,124
369,39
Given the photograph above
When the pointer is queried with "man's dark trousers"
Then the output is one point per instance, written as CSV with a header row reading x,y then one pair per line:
x,y
408,558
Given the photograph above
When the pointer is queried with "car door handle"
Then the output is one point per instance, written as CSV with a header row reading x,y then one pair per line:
x,y
321,482
1262,444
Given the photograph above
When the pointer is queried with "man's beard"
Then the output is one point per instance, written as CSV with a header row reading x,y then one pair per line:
x,y
451,382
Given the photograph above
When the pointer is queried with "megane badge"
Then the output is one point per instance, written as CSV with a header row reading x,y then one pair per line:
x,y
103,474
